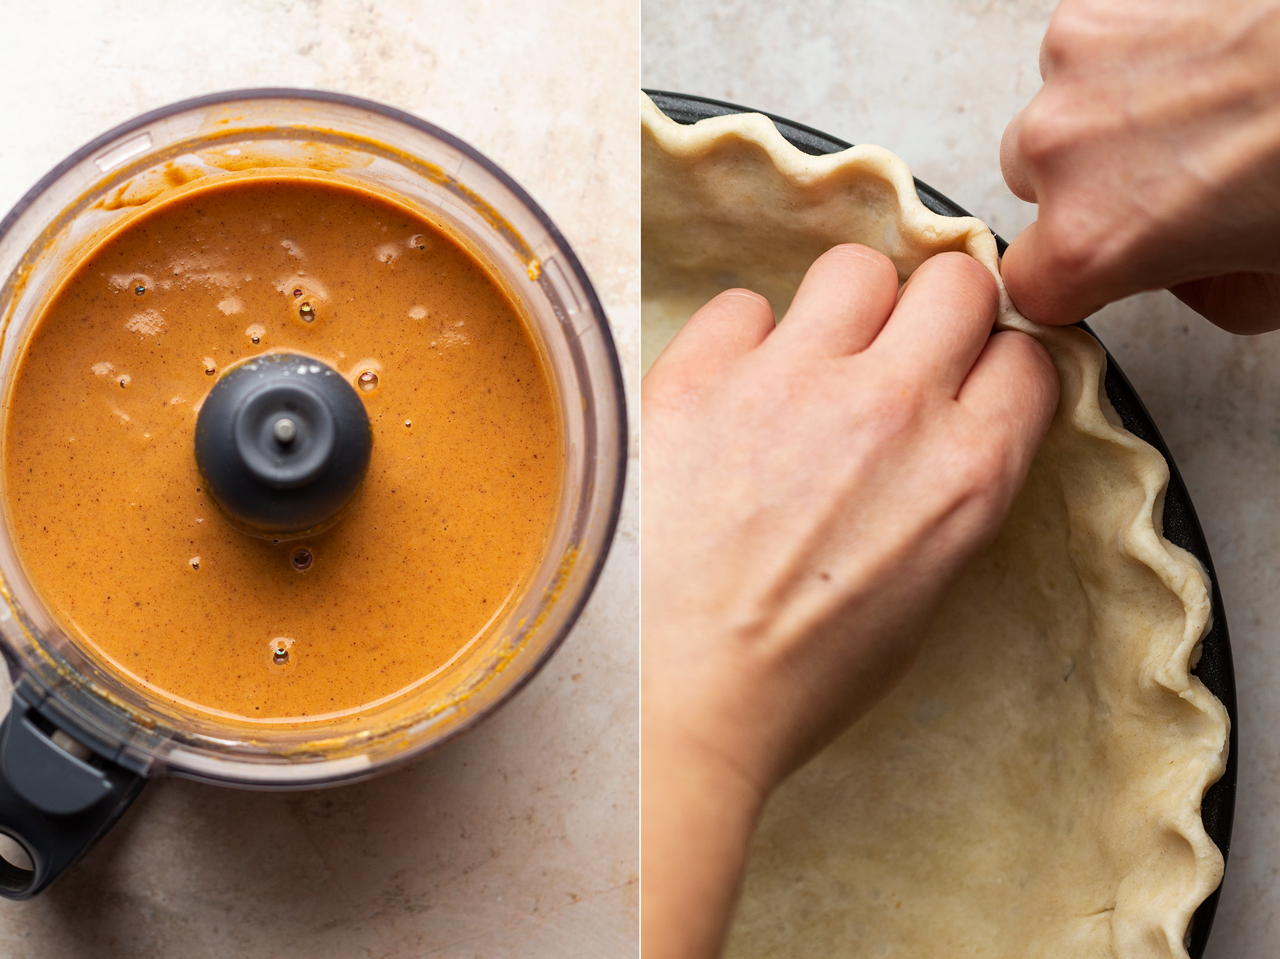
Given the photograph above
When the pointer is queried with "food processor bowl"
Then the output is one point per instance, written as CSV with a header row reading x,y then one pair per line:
x,y
79,740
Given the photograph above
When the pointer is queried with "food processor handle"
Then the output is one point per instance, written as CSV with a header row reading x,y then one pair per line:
x,y
57,797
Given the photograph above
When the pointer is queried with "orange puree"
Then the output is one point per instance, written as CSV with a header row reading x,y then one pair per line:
x,y
138,562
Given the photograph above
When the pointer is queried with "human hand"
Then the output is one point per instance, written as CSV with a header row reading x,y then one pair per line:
x,y
1153,151
808,494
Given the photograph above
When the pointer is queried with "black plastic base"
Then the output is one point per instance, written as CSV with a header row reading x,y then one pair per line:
x,y
53,803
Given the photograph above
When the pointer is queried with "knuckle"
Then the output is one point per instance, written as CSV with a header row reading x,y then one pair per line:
x,y
676,387
1061,36
982,474
1075,29
979,465
863,257
1069,246
894,409
1046,131
963,269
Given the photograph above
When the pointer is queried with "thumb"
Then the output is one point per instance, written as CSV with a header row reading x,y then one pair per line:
x,y
1051,281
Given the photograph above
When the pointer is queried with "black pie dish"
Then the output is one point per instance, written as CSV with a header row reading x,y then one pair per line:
x,y
1181,526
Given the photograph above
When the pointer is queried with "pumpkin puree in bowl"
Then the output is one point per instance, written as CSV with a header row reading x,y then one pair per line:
x,y
134,557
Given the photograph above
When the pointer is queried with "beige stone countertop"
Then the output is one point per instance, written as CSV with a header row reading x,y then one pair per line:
x,y
520,838
935,81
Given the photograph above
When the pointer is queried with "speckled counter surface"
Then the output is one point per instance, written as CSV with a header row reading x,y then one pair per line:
x,y
520,839
936,81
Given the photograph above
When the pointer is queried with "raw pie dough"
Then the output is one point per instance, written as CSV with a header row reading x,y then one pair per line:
x,y
1033,787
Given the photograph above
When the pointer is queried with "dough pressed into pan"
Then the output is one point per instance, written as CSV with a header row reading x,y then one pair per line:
x,y
1033,787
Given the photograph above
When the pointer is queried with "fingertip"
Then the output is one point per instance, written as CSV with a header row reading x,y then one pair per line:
x,y
739,292
842,303
730,324
965,275
942,320
863,257
1043,283
850,265
738,313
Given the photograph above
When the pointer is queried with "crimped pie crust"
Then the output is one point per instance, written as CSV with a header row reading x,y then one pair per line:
x,y
1033,787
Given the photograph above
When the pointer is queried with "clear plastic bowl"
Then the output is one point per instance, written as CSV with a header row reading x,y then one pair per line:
x,y
426,168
